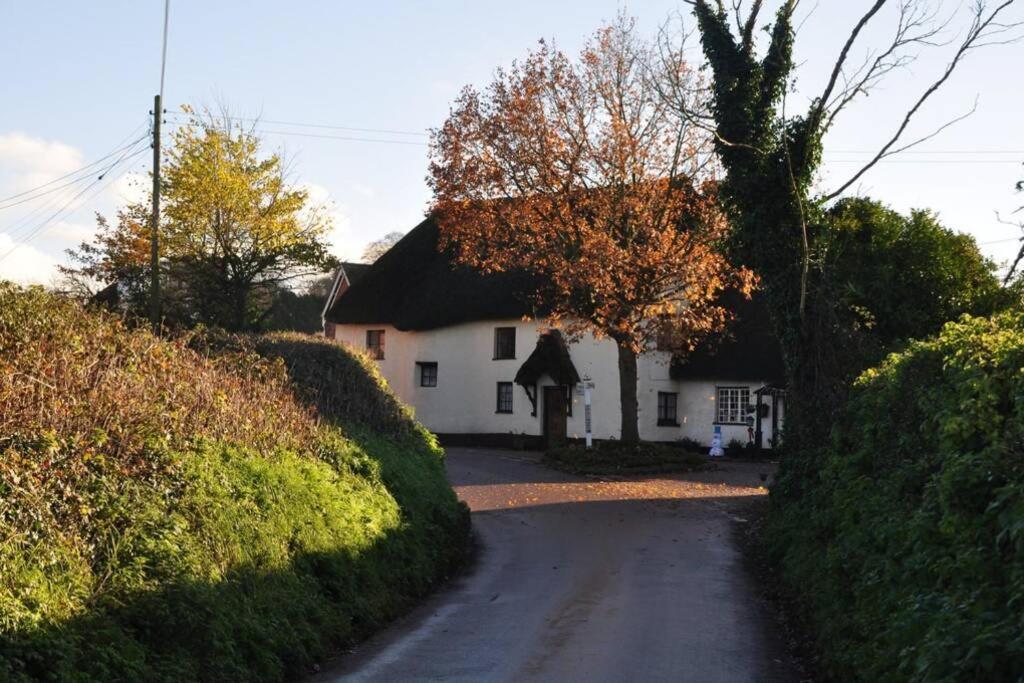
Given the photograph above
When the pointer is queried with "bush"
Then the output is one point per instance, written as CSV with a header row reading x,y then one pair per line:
x,y
909,551
226,514
691,445
615,457
735,447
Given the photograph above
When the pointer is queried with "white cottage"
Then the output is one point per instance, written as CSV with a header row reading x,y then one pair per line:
x,y
478,365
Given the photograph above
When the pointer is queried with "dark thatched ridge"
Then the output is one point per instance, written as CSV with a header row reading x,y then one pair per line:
x,y
748,349
355,271
414,286
550,357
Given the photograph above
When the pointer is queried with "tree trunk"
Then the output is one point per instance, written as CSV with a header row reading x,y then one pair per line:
x,y
241,308
627,394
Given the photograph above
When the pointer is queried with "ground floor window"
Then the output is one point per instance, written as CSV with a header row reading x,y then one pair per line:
x,y
732,405
667,403
428,374
504,397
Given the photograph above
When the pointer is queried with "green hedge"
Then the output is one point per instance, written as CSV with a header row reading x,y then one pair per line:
x,y
175,510
909,551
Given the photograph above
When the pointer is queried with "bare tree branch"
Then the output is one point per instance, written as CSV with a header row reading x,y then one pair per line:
x,y
915,26
818,110
982,26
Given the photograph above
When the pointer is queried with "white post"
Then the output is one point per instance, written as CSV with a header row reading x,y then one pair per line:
x,y
586,411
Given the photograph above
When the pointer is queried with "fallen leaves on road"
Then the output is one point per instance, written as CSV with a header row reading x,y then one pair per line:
x,y
518,495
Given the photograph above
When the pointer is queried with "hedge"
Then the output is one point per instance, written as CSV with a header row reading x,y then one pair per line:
x,y
191,510
909,551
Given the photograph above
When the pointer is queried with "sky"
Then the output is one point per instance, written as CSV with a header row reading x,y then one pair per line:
x,y
80,79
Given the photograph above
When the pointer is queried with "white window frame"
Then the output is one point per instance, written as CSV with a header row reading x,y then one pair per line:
x,y
731,402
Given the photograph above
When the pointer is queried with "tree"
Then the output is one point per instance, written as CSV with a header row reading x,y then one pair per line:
x,y
234,233
117,256
1018,223
374,250
578,173
299,311
771,157
235,229
901,277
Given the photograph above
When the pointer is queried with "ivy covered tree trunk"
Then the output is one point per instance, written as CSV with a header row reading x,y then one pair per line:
x,y
627,394
770,161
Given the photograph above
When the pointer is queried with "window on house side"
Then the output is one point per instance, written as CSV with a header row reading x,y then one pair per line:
x,y
504,397
504,343
731,405
428,374
375,344
667,408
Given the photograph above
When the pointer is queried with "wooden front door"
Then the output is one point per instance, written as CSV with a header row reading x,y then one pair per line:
x,y
554,416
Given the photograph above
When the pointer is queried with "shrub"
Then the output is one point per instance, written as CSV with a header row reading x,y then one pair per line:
x,y
221,514
692,445
735,446
615,457
909,551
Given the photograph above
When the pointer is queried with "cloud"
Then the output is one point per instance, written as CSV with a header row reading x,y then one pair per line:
x,y
70,232
28,162
25,264
59,217
340,238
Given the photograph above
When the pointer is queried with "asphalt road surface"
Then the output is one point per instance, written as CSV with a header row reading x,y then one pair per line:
x,y
584,579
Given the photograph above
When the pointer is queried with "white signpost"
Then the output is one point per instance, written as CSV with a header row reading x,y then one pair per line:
x,y
587,386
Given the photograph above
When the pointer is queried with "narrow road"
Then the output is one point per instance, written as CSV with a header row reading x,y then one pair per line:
x,y
581,579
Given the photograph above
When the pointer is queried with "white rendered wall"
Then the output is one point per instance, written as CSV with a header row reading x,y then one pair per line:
x,y
465,398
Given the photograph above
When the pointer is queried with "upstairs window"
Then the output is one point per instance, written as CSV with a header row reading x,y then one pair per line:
x,y
375,344
428,374
504,343
667,416
504,397
732,405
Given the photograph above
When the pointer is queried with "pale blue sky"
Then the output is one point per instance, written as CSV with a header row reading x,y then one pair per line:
x,y
80,77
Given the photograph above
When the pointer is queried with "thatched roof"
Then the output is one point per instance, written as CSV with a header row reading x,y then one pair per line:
x,y
747,350
414,286
355,271
550,357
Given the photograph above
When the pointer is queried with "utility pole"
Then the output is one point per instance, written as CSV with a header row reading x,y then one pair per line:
x,y
154,256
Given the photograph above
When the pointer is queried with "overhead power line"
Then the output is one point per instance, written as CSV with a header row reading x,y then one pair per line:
x,y
278,122
119,148
54,200
21,240
1019,152
925,161
39,192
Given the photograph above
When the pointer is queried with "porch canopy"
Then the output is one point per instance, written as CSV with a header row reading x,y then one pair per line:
x,y
550,357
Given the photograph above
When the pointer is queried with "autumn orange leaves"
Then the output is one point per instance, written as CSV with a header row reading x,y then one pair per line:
x,y
588,174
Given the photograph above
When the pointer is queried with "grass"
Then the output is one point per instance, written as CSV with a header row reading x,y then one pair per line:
x,y
206,508
611,457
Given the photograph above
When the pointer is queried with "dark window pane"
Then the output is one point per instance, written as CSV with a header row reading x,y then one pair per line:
x,y
428,374
667,408
504,343
504,397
